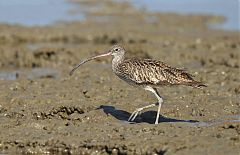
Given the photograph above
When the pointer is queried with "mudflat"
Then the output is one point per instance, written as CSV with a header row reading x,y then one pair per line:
x,y
44,110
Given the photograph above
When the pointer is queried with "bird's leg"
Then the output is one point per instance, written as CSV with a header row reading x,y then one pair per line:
x,y
138,110
160,100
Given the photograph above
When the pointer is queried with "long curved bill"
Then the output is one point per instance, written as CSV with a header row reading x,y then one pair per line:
x,y
89,59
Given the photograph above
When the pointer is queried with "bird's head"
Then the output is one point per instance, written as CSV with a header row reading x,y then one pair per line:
x,y
116,51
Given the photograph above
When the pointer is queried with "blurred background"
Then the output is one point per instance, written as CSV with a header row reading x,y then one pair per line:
x,y
45,12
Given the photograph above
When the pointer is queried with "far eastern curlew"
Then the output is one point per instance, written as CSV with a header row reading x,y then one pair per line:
x,y
145,73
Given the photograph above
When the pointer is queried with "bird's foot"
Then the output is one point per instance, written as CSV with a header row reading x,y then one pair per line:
x,y
135,114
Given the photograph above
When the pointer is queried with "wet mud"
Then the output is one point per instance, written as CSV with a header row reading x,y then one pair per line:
x,y
44,110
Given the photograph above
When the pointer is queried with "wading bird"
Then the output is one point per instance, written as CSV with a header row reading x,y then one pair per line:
x,y
145,73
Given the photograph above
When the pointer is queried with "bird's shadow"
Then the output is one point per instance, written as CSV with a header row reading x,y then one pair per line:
x,y
147,117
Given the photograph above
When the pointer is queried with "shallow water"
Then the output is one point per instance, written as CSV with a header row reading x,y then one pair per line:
x,y
31,74
9,75
228,9
45,12
223,120
36,13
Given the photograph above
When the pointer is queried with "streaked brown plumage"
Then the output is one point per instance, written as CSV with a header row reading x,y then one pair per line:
x,y
153,72
146,73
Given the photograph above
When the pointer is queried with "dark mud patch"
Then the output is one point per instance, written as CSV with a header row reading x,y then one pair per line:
x,y
67,113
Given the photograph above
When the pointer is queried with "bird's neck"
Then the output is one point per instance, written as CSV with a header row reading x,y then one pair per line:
x,y
117,60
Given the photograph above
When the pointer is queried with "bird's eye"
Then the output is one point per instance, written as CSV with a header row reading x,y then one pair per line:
x,y
116,49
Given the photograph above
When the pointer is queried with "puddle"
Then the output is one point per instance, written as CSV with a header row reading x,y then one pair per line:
x,y
223,120
36,12
35,73
228,9
9,75
35,46
43,73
